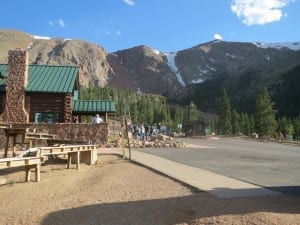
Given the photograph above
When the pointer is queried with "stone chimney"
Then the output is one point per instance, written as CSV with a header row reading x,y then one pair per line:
x,y
17,78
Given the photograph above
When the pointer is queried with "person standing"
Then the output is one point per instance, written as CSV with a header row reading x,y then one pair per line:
x,y
97,119
142,132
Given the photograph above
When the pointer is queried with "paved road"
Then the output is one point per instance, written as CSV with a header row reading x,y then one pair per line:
x,y
266,164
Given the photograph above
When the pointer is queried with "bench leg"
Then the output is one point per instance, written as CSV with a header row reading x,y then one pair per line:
x,y
27,170
37,169
69,160
77,159
38,173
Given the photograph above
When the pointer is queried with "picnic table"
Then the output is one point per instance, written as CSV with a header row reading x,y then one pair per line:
x,y
22,136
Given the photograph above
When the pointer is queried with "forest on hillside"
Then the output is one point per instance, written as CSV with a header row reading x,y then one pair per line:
x,y
242,91
150,109
153,109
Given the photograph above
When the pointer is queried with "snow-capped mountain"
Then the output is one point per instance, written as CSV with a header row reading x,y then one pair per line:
x,y
243,67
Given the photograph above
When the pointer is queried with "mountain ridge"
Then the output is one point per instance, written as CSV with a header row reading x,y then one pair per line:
x,y
241,67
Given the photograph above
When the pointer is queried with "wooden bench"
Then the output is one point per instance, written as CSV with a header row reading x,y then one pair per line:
x,y
57,142
76,153
33,158
31,162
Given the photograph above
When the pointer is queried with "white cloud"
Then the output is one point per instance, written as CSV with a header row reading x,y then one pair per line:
x,y
218,37
259,11
61,23
116,33
129,2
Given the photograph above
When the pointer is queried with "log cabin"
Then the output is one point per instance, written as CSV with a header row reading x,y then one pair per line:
x,y
43,93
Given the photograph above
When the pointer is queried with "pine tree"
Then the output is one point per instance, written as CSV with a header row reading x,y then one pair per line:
x,y
251,123
265,123
150,113
245,124
296,125
194,114
285,126
225,115
235,122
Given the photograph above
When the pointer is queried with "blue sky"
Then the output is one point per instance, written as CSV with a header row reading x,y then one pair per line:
x,y
166,25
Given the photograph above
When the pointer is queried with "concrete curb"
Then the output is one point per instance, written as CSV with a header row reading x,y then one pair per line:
x,y
215,184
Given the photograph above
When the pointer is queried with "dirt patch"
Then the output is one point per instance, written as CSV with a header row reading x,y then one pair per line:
x,y
116,191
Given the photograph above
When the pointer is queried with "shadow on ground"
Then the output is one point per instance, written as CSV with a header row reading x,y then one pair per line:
x,y
172,210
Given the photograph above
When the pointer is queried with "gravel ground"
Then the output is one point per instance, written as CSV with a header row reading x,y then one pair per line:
x,y
116,191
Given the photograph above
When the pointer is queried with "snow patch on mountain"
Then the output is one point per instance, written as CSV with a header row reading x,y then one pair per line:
x,y
211,68
155,51
171,62
41,37
293,46
202,71
233,56
198,81
267,58
29,46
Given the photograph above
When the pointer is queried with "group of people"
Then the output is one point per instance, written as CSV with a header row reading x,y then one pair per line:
x,y
142,132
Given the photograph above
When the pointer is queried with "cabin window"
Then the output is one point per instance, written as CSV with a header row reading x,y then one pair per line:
x,y
46,117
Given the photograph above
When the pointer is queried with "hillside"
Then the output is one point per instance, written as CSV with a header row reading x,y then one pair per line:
x,y
142,68
196,74
11,39
91,58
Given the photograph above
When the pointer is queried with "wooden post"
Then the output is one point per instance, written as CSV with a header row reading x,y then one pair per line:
x,y
30,142
6,145
14,145
78,159
122,137
128,142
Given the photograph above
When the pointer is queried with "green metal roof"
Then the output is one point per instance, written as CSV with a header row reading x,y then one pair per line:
x,y
46,78
93,106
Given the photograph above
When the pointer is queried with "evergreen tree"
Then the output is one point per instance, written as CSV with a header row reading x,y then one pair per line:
x,y
296,125
225,115
150,113
251,124
134,112
194,114
235,122
265,123
245,124
285,126
178,117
